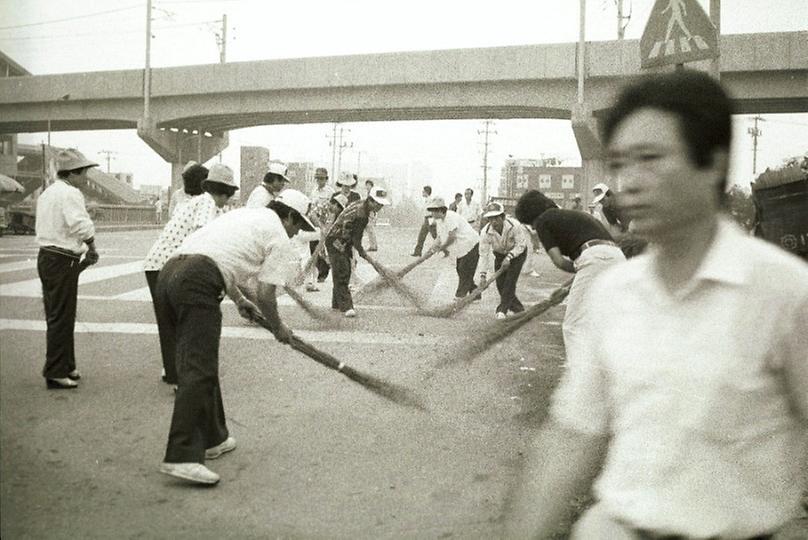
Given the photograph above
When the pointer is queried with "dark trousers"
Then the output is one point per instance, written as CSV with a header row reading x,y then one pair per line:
x,y
168,344
59,275
321,262
426,228
341,277
466,266
189,292
506,283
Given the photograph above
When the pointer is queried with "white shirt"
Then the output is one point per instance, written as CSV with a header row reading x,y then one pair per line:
x,y
61,218
514,240
466,236
706,439
470,211
259,198
193,215
246,243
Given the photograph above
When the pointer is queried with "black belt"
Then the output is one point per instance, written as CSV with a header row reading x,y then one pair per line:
x,y
644,534
590,243
61,251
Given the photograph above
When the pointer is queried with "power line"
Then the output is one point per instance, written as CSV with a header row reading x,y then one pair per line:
x,y
117,33
76,17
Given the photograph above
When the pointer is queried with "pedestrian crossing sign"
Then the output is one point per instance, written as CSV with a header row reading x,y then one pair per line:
x,y
677,31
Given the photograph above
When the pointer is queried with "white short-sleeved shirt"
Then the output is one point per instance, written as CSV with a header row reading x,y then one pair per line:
x,y
466,236
469,210
706,440
246,243
62,219
192,215
259,198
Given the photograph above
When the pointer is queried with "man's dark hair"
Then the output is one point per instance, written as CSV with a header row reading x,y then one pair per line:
x,y
215,188
272,177
428,190
531,205
369,182
470,190
192,179
458,195
284,211
64,175
700,104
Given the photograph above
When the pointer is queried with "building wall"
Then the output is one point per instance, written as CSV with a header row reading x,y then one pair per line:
x,y
254,165
301,176
559,183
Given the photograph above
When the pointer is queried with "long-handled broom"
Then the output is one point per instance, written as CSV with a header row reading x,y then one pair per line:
x,y
379,282
392,392
499,330
456,307
318,251
314,312
396,283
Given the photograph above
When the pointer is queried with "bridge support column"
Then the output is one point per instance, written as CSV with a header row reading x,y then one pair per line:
x,y
587,135
178,147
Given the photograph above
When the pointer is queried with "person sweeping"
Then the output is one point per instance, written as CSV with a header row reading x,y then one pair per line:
x,y
459,238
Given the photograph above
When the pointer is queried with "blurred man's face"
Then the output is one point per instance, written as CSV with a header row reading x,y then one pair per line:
x,y
424,193
346,190
468,194
663,192
321,180
275,186
437,214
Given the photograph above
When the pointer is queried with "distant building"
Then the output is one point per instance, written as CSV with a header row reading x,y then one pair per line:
x,y
301,175
125,177
8,142
559,183
254,165
150,191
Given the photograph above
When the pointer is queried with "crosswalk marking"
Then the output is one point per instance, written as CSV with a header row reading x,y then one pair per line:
x,y
17,265
32,288
670,46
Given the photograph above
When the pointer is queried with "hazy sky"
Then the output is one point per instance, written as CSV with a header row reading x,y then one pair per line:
x,y
113,36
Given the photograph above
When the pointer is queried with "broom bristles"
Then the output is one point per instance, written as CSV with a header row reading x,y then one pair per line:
x,y
454,308
314,311
379,282
498,331
397,284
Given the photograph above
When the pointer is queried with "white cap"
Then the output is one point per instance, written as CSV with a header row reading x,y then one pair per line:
x,y
221,174
436,203
379,195
278,168
296,201
346,179
493,209
603,189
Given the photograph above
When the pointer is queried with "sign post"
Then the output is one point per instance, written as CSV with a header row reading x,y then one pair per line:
x,y
677,31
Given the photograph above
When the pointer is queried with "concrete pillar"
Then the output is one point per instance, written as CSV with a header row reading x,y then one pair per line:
x,y
587,135
179,148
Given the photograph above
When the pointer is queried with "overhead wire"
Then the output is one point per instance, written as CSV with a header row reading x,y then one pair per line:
x,y
73,18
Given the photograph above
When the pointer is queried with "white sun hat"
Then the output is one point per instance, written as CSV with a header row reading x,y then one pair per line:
x,y
299,202
379,195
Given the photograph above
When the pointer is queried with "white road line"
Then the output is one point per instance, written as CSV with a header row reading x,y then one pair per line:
x,y
17,265
241,332
32,288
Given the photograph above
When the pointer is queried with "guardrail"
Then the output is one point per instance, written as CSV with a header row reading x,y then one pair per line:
x,y
109,213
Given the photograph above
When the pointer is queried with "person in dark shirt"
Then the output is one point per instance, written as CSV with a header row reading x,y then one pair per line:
x,y
345,236
576,242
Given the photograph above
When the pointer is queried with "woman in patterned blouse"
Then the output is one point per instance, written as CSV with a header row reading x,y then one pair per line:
x,y
196,213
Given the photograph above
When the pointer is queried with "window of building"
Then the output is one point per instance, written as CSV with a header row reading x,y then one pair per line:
x,y
545,181
568,181
521,180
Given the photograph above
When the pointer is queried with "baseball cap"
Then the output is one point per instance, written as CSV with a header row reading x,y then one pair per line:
x,y
603,189
299,202
278,169
493,209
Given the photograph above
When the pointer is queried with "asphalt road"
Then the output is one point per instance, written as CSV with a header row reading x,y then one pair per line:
x,y
317,457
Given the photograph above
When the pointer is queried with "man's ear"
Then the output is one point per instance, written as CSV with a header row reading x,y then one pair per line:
x,y
719,167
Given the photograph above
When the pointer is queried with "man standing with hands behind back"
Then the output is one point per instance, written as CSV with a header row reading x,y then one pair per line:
x,y
695,380
63,227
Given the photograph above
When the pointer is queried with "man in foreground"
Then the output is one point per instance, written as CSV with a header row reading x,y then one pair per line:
x,y
246,244
695,382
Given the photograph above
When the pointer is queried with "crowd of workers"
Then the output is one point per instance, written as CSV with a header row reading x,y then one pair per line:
x,y
684,395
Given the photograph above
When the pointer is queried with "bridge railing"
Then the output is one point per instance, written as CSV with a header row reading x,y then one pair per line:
x,y
123,214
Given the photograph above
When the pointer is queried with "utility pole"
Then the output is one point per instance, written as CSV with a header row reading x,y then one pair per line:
x,y
147,71
221,40
621,27
333,144
755,132
715,18
109,154
358,161
485,132
342,146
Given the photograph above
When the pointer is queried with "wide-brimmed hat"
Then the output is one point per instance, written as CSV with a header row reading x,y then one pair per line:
x,y
299,202
321,172
379,195
603,189
278,169
221,174
346,179
493,209
71,159
436,203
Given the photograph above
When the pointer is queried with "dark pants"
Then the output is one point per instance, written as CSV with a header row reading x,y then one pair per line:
x,y
426,228
59,275
168,344
466,266
189,291
341,277
506,283
321,262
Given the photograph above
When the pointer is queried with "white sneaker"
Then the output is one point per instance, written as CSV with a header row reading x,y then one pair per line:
x,y
228,445
533,273
311,287
500,315
351,313
193,472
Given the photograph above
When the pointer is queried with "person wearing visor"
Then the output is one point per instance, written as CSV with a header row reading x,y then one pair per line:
x,y
63,228
508,241
344,237
458,237
194,214
274,182
243,244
